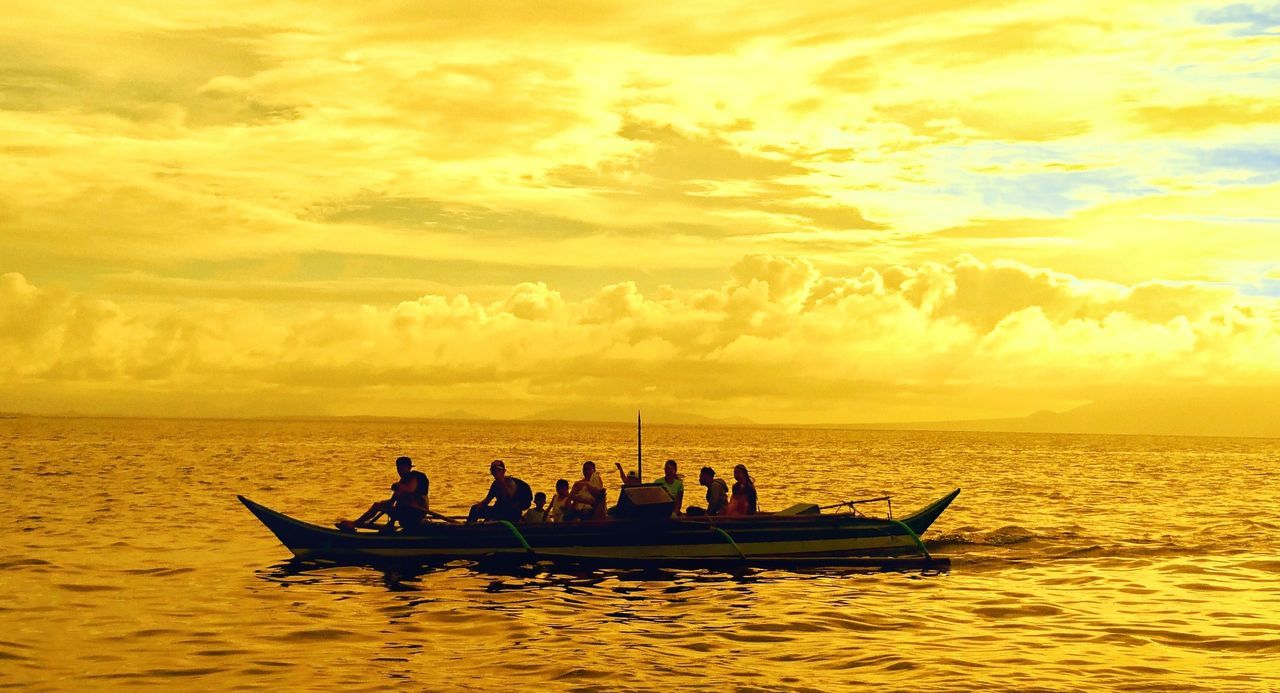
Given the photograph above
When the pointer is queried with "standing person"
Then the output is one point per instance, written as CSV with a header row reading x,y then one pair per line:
x,y
587,497
509,495
407,505
628,478
744,493
559,502
674,485
717,493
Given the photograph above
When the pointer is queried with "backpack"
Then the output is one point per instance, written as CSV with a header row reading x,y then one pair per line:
x,y
423,486
724,490
523,497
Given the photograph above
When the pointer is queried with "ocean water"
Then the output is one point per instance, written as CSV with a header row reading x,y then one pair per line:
x,y
1079,563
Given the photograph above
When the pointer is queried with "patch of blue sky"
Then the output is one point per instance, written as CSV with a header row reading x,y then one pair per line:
x,y
1246,19
1053,193
1011,153
1269,288
1261,70
1261,162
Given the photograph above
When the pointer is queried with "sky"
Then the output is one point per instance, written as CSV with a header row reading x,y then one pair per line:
x,y
784,212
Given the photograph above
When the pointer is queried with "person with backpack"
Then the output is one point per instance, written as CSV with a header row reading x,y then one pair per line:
x,y
717,494
407,504
509,496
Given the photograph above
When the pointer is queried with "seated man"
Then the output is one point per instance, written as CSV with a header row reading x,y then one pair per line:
x,y
717,494
407,504
671,481
509,496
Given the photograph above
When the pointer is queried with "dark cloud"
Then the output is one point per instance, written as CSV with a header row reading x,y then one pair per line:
x,y
676,156
143,77
682,168
453,217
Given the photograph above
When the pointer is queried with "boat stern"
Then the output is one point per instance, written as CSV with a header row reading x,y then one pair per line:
x,y
920,520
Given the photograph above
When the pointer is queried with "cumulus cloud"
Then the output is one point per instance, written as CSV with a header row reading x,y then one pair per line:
x,y
775,338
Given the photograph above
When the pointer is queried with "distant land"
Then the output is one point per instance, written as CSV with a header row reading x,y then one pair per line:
x,y
1242,413
1226,412
653,416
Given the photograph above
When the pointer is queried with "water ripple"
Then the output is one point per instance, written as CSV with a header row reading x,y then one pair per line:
x,y
1080,563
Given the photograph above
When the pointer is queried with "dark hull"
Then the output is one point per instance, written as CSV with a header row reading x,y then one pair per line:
x,y
840,539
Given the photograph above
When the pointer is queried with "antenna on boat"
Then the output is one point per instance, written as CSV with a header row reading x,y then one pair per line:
x,y
639,448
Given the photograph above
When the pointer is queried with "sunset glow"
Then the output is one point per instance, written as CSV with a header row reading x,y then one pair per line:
x,y
821,213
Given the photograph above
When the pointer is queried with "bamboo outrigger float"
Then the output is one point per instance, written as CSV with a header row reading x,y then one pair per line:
x,y
800,539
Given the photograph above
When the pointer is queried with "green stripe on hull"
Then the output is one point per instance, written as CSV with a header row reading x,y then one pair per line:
x,y
829,547
765,538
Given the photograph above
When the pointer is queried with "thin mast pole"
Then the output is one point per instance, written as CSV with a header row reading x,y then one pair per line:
x,y
639,448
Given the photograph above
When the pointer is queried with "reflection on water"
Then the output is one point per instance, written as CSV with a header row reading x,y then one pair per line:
x,y
407,576
1078,563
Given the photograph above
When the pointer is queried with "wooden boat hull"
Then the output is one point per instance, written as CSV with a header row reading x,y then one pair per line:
x,y
760,539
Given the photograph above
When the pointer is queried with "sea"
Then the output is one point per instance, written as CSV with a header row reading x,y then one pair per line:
x,y
1078,563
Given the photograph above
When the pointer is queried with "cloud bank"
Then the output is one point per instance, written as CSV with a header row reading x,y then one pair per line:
x,y
777,341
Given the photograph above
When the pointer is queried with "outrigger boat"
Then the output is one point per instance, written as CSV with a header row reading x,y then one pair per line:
x,y
642,534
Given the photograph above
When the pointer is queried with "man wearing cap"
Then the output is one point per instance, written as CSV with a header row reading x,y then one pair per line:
x,y
503,492
407,504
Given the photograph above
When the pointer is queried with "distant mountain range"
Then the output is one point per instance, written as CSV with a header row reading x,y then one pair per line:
x,y
613,414
1247,412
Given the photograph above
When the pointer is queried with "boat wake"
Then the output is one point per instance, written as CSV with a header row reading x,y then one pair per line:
x,y
1004,536
971,546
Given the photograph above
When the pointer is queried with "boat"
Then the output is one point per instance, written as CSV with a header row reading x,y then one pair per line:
x,y
797,537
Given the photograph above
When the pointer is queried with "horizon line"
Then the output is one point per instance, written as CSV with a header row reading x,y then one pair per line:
x,y
921,427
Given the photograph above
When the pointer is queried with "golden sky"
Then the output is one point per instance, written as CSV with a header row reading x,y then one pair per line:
x,y
788,212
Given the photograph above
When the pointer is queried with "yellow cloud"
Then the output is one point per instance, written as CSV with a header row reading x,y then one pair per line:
x,y
777,338
1211,114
